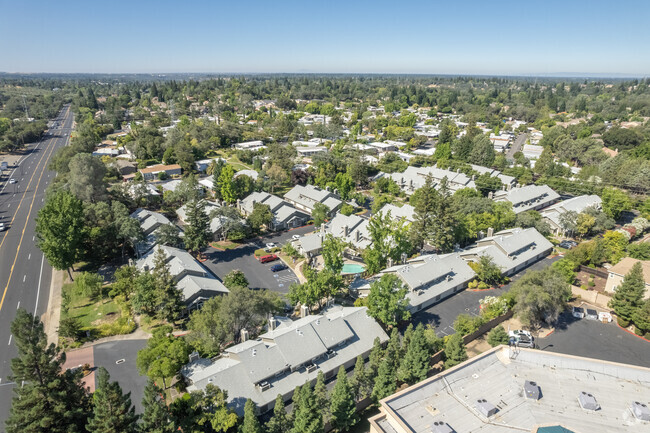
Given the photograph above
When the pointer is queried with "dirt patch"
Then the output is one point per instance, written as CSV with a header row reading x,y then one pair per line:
x,y
584,279
107,318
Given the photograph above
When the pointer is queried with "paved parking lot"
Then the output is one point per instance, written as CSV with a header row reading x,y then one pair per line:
x,y
126,372
258,274
592,339
442,315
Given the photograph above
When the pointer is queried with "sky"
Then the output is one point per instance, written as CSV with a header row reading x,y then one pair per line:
x,y
522,37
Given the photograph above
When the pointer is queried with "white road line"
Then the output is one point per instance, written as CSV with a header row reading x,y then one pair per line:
x,y
9,340
38,290
24,277
18,306
29,257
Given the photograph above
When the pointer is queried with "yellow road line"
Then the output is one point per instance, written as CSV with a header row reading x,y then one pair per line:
x,y
25,191
23,232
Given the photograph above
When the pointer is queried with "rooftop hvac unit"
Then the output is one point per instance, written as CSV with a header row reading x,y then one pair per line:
x,y
330,354
531,390
441,427
311,368
485,408
194,356
304,311
264,386
640,411
588,401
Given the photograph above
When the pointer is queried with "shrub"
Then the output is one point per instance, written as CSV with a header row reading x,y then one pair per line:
x,y
497,335
492,307
622,322
466,324
639,332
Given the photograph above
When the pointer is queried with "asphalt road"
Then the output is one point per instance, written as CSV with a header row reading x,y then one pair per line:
x,y
518,144
443,314
592,339
125,352
258,274
24,273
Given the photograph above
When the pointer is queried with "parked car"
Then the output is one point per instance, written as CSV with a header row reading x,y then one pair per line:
x,y
279,267
268,258
2,227
523,341
519,332
591,314
295,237
578,312
605,317
270,246
567,244
12,180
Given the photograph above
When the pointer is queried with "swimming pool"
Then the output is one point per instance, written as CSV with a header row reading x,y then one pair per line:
x,y
351,268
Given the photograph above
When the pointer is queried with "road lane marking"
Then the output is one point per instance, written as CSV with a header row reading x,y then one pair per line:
x,y
22,236
38,290
18,306
29,257
10,335
24,277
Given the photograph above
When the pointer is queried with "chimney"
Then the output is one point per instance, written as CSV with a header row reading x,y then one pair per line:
x,y
473,177
357,236
327,188
518,185
322,228
390,262
509,187
194,356
490,232
490,195
272,323
457,170
304,311
244,335
238,204
345,231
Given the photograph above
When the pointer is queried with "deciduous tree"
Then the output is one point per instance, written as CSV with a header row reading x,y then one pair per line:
x,y
387,301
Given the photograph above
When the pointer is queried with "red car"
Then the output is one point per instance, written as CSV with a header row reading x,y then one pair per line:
x,y
268,258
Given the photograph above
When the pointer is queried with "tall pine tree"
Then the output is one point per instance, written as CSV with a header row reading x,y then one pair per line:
x,y
628,297
415,364
156,417
112,410
342,404
308,418
168,297
197,229
48,400
279,422
250,424
320,394
361,382
385,382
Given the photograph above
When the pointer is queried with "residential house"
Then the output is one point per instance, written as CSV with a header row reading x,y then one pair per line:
x,y
285,216
511,250
578,204
532,151
305,197
203,164
152,172
415,177
250,173
618,272
351,229
250,145
125,167
405,212
149,222
289,354
500,142
529,197
307,152
383,146
218,224
310,245
192,279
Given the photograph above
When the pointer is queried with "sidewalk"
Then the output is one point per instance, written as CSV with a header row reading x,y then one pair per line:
x,y
53,314
138,334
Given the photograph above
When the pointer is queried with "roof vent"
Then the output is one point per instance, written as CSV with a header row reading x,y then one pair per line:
x,y
588,401
486,408
441,427
532,391
640,411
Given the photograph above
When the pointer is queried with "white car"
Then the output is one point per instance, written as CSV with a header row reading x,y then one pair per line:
x,y
517,332
295,237
12,180
2,227
270,246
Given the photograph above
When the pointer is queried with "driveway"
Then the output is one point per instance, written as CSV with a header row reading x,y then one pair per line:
x,y
592,339
518,144
126,372
443,314
258,274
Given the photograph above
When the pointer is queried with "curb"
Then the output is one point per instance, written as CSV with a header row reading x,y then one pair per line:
x,y
632,333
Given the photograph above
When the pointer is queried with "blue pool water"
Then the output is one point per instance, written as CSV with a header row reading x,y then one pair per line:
x,y
350,268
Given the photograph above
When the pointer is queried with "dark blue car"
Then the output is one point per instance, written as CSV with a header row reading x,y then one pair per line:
x,y
279,267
